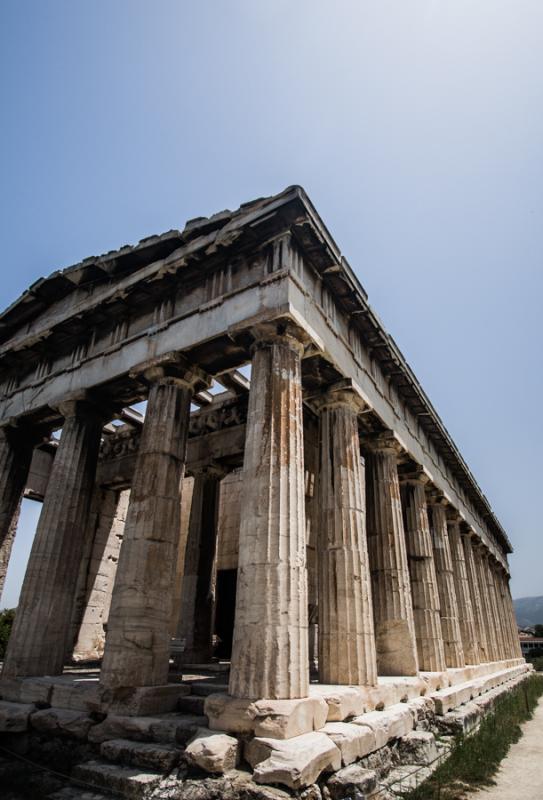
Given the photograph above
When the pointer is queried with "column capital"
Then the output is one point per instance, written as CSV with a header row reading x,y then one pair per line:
x,y
171,369
386,442
481,547
414,476
81,405
20,430
208,468
453,515
280,332
434,497
342,393
466,531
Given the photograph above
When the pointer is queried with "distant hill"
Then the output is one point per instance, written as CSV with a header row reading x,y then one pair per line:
x,y
529,611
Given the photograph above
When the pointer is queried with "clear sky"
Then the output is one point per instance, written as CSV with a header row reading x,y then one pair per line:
x,y
416,127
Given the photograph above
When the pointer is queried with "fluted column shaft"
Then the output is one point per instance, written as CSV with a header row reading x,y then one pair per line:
x,y
138,639
506,630
495,606
15,456
475,596
346,636
450,626
311,525
195,624
270,647
489,619
422,573
516,651
391,591
468,629
42,630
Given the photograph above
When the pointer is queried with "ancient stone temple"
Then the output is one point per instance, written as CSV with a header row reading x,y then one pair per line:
x,y
286,539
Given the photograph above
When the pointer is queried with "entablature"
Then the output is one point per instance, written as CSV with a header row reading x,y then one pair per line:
x,y
199,292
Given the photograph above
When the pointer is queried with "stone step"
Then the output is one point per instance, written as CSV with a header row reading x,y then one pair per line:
x,y
77,793
204,688
191,704
129,782
148,755
172,728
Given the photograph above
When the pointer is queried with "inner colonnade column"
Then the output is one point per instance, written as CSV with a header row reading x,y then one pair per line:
x,y
270,647
195,624
450,627
40,635
420,556
391,592
468,629
16,447
137,644
311,523
346,635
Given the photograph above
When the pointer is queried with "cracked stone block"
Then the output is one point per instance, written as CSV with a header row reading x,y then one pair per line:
x,y
389,724
26,690
351,782
148,755
167,728
275,719
213,752
296,762
342,701
418,747
62,721
353,741
128,782
14,716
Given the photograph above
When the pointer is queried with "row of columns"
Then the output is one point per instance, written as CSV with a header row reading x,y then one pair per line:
x,y
401,587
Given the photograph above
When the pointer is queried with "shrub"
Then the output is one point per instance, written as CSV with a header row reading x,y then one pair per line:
x,y
6,623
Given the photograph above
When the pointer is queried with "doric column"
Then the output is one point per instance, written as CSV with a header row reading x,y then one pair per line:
x,y
506,630
489,620
98,577
448,609
516,650
494,619
391,590
346,635
42,630
466,617
422,573
475,596
269,653
195,623
177,597
137,645
16,445
496,608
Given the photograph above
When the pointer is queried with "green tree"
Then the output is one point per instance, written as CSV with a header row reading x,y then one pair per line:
x,y
538,629
6,622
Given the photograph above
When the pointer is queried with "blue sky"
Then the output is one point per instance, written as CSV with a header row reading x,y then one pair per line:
x,y
415,126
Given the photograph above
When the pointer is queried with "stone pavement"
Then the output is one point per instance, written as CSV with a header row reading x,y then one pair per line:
x,y
521,772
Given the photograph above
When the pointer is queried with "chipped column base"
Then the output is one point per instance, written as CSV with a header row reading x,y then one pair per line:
x,y
276,719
